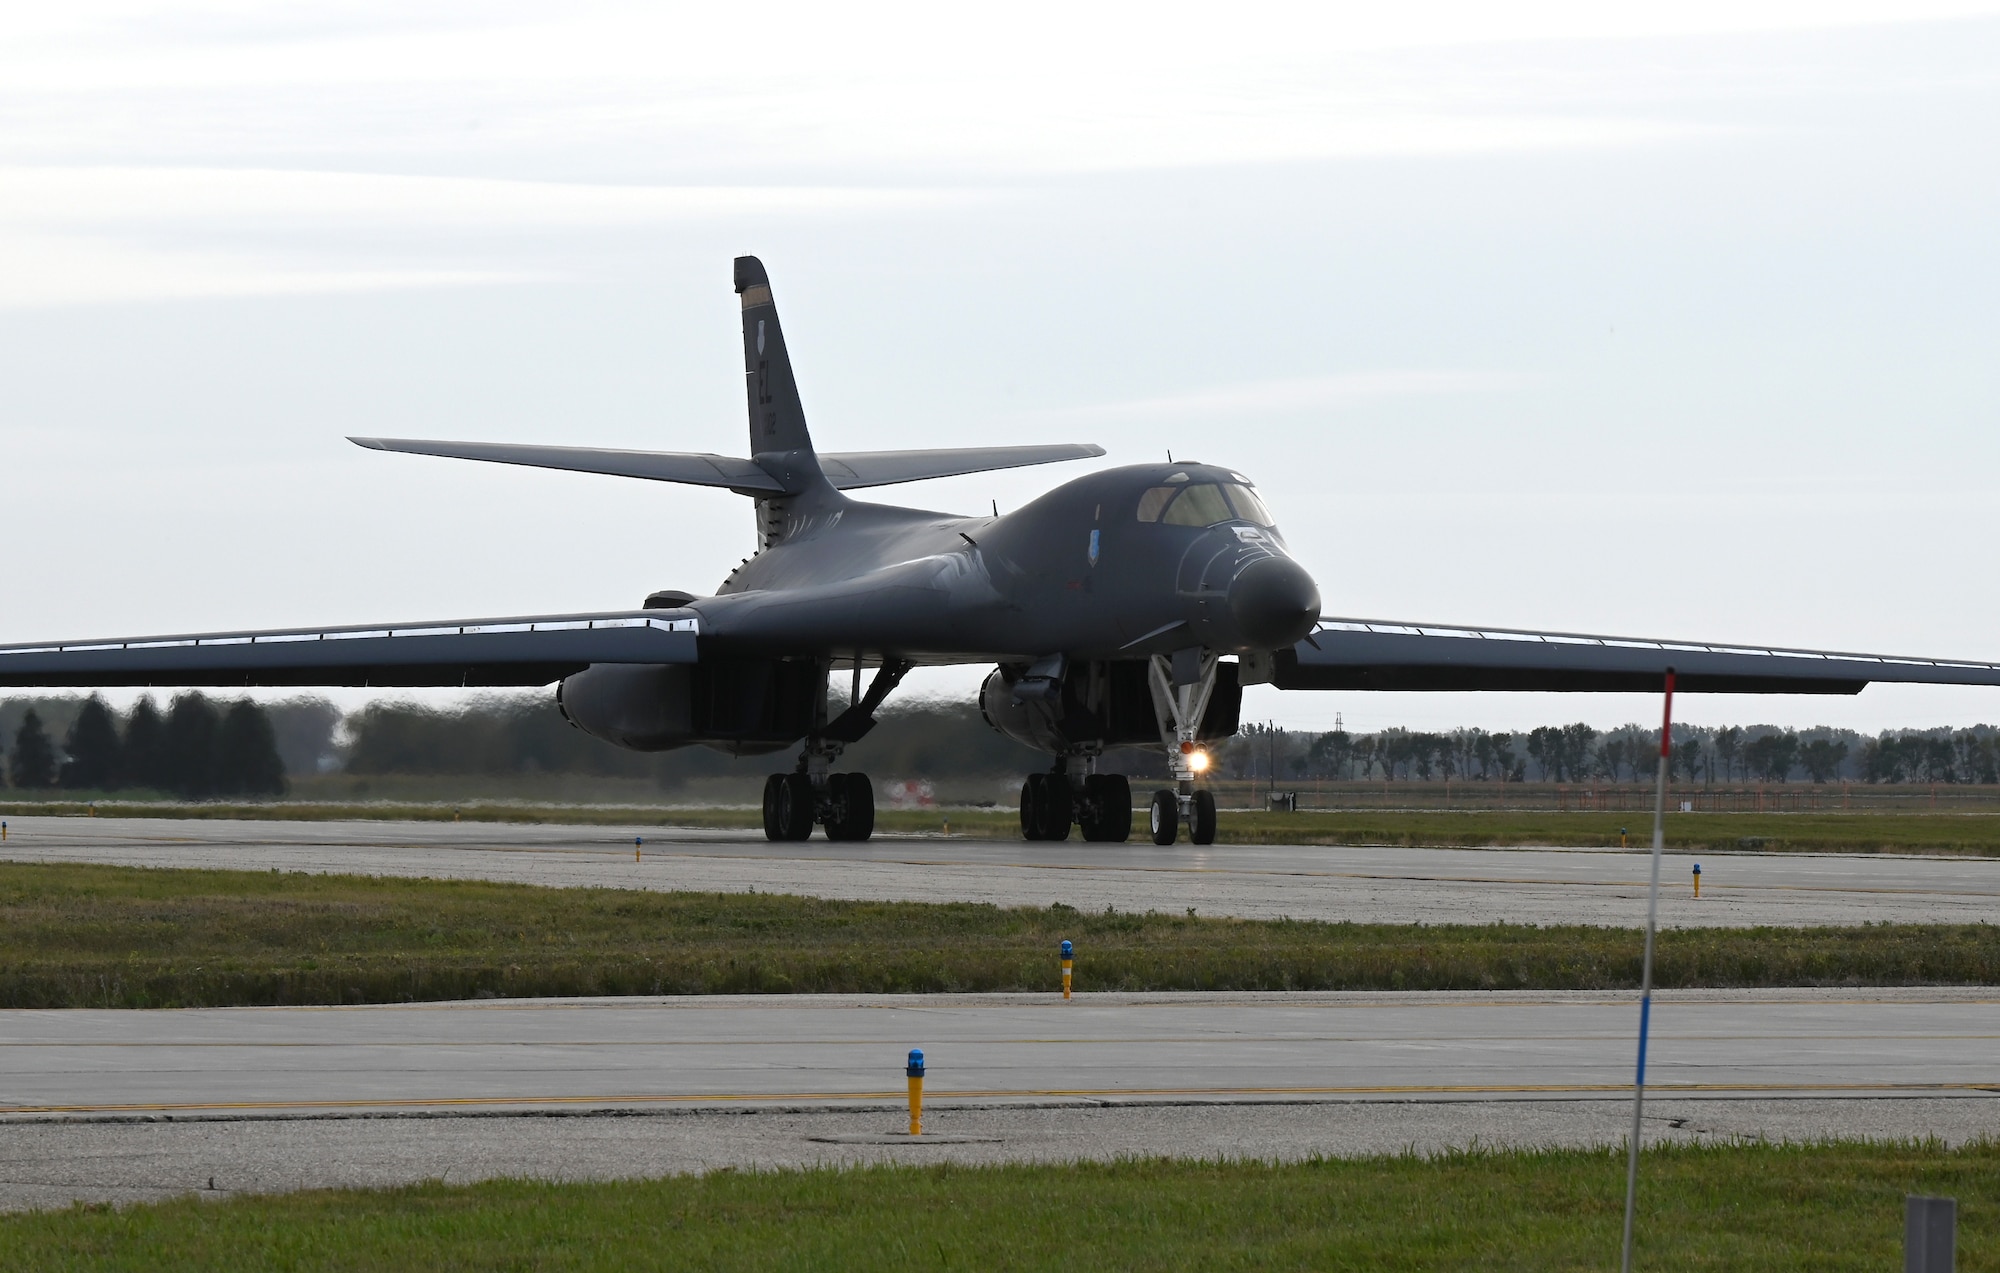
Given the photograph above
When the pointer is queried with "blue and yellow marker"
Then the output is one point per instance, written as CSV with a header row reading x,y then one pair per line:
x,y
915,1071
1068,964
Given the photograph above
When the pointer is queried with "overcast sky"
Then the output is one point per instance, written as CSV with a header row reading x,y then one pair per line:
x,y
1671,320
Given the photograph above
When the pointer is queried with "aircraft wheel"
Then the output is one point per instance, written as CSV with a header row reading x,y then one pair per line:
x,y
1201,827
1090,810
772,785
1166,817
1114,808
794,807
854,808
1031,802
1058,809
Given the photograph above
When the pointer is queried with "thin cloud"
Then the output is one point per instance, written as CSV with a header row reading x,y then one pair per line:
x,y
1295,394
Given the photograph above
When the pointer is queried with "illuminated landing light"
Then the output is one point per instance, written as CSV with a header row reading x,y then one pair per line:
x,y
1198,762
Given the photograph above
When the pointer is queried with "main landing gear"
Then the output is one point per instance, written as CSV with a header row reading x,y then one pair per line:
x,y
1099,805
845,804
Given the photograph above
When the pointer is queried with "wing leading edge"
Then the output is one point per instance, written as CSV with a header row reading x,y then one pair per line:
x,y
1363,654
534,650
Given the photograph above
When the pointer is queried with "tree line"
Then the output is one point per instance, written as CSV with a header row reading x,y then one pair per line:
x,y
217,749
197,749
1630,753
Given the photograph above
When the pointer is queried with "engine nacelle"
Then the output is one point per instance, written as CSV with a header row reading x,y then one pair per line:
x,y
741,707
1096,705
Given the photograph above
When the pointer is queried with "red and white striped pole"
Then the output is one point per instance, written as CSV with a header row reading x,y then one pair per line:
x,y
1646,970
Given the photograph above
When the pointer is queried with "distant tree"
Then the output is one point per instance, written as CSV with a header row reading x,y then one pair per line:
x,y
192,725
33,764
1728,744
246,753
1976,758
1576,741
1545,749
1330,753
143,755
1821,758
1771,756
92,748
1511,769
1687,758
1939,759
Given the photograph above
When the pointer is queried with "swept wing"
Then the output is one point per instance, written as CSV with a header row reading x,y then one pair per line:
x,y
1372,654
532,650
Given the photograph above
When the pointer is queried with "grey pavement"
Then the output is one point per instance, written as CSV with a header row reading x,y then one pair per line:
x,y
119,1106
751,1050
55,1163
1362,884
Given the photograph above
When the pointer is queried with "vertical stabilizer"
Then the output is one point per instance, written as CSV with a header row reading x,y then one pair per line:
x,y
777,420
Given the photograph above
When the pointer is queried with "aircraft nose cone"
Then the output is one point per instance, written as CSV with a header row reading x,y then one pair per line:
x,y
1275,603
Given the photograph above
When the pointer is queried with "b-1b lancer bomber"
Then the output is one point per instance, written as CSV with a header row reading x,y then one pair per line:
x,y
1128,606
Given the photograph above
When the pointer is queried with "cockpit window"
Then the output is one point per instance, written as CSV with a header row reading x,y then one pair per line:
x,y
1248,506
1153,501
1201,505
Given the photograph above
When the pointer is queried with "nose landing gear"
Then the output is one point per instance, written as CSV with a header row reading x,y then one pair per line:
x,y
1182,685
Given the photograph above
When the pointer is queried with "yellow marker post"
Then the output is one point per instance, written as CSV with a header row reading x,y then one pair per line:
x,y
1068,964
1621,837
1697,879
3,830
915,1071
637,840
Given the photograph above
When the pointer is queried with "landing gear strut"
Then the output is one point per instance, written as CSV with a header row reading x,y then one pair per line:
x,y
1181,687
845,802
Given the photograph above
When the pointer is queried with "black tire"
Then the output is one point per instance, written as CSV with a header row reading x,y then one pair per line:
x,y
772,785
795,807
1166,817
1090,809
1201,827
836,814
1058,808
1114,809
859,797
1031,805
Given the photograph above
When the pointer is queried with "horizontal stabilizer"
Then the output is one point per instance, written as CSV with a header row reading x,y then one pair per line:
x,y
535,650
1367,654
694,469
849,470
852,470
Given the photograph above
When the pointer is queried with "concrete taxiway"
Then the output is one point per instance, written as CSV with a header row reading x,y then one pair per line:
x,y
119,1105
1363,884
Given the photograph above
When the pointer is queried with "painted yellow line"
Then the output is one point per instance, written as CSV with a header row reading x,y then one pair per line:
x,y
1413,1089
1220,1039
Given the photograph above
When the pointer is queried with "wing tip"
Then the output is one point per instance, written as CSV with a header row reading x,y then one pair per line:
x,y
373,444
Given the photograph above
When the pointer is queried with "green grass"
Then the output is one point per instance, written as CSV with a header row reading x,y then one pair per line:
x,y
1943,832
104,936
1827,1207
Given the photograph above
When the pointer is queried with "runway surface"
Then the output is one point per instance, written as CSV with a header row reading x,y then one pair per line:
x,y
818,1049
113,1105
1379,885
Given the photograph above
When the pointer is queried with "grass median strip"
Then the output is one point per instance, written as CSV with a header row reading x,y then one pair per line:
x,y
124,937
1817,1207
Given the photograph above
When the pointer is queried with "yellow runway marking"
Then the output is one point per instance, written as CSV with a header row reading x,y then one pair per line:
x,y
1510,1089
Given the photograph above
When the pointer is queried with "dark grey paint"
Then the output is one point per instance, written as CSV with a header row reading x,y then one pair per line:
x,y
836,579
